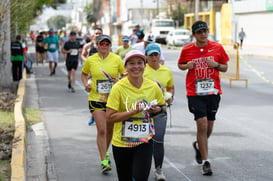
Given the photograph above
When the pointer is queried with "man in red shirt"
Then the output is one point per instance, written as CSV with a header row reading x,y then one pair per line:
x,y
204,60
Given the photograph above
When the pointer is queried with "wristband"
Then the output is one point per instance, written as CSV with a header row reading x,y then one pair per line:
x,y
218,66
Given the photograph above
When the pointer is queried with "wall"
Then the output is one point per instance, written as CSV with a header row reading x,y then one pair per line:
x,y
255,17
226,27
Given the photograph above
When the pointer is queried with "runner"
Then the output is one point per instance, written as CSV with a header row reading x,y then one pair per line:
x,y
164,79
129,106
40,51
91,47
123,49
53,44
204,60
142,45
64,39
71,49
104,67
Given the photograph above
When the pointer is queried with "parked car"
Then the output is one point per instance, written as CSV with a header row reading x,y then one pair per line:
x,y
178,37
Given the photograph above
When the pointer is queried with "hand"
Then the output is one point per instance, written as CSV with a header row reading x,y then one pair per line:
x,y
154,109
115,80
169,101
212,63
190,65
88,88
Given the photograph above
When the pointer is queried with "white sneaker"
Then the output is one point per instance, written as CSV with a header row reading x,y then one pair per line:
x,y
159,175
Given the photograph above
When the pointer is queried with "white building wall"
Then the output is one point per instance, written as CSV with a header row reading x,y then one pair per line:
x,y
256,20
258,28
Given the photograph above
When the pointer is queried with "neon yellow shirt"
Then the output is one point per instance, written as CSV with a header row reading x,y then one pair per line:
x,y
123,97
121,51
162,76
102,71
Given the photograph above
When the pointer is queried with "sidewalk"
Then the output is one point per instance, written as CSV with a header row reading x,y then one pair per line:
x,y
256,51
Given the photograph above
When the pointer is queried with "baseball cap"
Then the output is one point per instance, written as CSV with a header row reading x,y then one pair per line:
x,y
125,38
134,53
152,48
104,37
73,33
51,30
199,25
149,38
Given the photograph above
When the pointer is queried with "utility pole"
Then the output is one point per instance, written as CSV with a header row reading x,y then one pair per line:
x,y
196,10
157,7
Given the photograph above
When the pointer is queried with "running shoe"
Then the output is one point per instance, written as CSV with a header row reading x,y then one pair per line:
x,y
91,121
108,157
198,156
206,169
159,175
105,167
69,85
72,89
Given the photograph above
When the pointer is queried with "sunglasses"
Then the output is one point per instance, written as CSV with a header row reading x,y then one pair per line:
x,y
104,43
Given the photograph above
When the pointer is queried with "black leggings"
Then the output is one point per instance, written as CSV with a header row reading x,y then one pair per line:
x,y
133,164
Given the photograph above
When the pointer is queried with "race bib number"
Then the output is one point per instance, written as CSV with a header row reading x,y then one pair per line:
x,y
135,128
52,46
40,44
104,86
74,52
204,86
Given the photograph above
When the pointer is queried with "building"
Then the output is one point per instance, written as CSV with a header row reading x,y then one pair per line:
x,y
255,18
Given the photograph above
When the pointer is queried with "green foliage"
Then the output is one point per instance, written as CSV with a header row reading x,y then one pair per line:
x,y
57,22
23,12
178,15
90,17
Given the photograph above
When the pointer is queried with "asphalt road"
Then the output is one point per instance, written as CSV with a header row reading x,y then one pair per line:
x,y
240,147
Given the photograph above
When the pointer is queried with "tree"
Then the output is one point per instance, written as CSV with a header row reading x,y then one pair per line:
x,y
57,22
5,65
90,16
15,17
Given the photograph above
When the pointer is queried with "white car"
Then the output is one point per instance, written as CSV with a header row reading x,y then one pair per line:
x,y
178,37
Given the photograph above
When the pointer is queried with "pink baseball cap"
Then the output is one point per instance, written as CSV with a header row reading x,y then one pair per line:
x,y
134,53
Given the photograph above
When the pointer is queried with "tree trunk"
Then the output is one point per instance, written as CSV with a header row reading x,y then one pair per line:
x,y
5,52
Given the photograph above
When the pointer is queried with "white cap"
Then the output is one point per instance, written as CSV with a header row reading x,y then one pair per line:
x,y
149,38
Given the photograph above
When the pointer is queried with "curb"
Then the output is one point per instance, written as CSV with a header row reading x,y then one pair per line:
x,y
18,158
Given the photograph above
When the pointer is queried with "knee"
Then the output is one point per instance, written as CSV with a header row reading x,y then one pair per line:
x,y
202,125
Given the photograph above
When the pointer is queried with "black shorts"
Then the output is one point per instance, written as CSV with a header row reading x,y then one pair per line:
x,y
97,106
204,106
40,49
71,65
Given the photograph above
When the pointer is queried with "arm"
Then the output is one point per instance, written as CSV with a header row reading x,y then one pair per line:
x,y
84,78
114,116
184,66
171,90
84,52
217,66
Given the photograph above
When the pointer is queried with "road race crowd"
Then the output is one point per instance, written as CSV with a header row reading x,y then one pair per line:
x,y
129,90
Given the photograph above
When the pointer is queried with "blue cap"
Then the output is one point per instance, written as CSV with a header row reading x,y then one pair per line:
x,y
125,38
51,30
152,48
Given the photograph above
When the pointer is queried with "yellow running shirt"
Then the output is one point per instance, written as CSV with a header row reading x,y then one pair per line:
x,y
102,72
123,97
162,76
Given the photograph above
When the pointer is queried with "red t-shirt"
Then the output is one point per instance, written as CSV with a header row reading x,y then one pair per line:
x,y
201,70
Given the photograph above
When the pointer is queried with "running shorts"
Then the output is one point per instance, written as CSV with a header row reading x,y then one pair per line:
x,y
97,106
204,106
